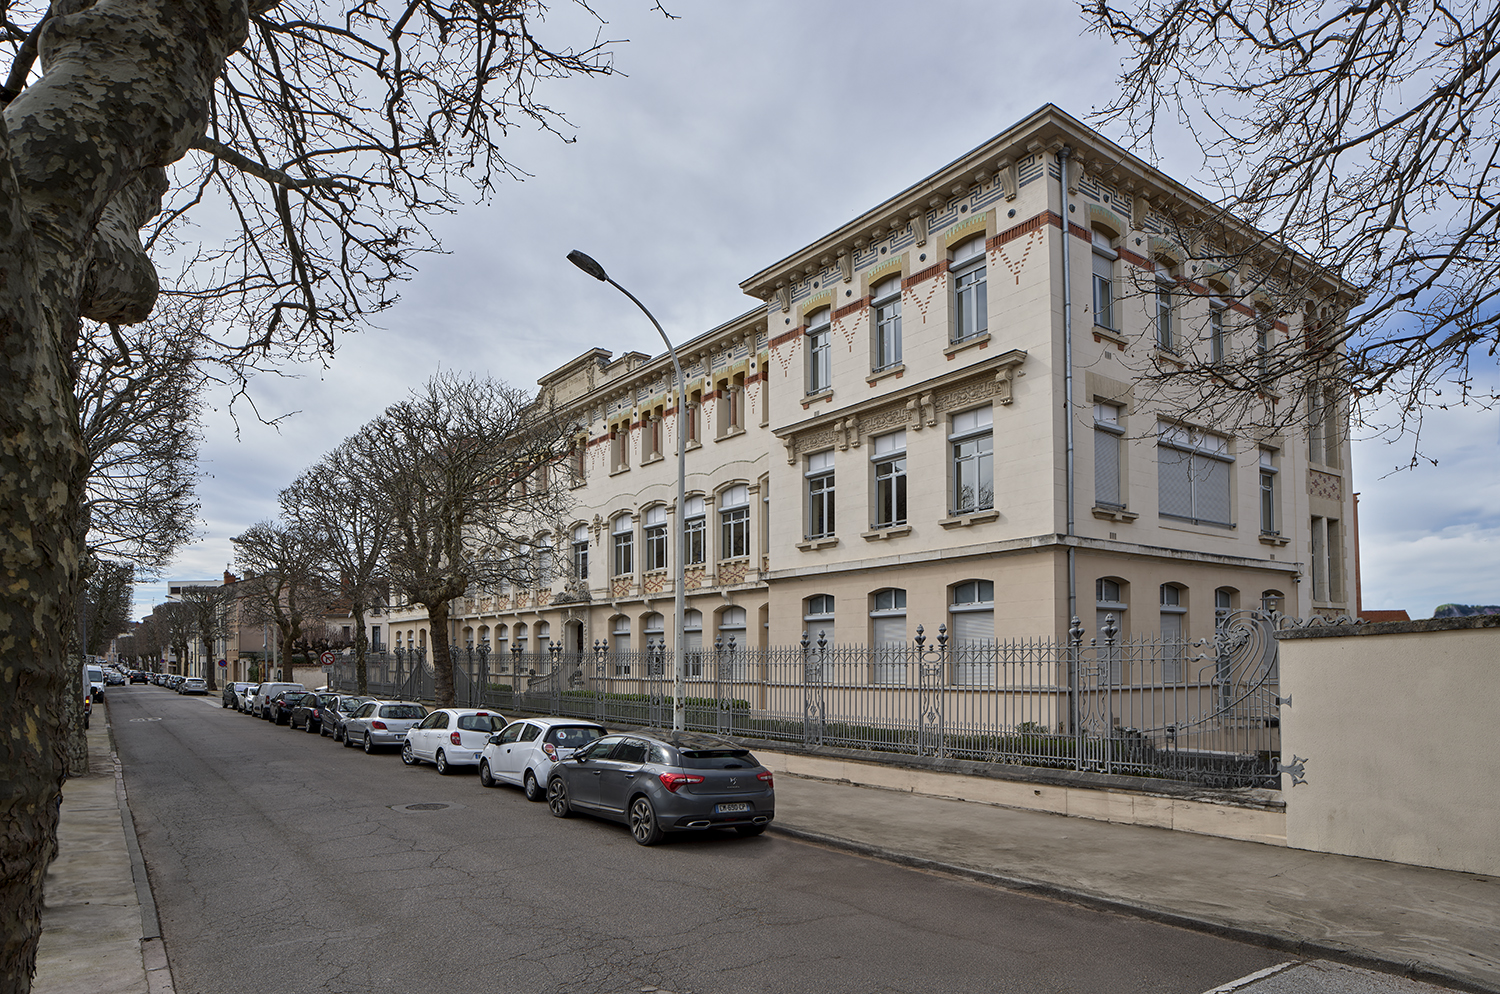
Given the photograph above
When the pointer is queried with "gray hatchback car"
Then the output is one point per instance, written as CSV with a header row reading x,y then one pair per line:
x,y
661,781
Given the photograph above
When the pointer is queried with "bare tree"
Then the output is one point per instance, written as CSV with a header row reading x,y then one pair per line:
x,y
283,581
348,507
208,611
469,467
177,632
1362,136
330,132
138,404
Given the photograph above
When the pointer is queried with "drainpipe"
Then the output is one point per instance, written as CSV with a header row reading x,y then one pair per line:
x,y
1067,289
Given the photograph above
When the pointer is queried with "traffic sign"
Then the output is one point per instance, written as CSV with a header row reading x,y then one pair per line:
x,y
326,659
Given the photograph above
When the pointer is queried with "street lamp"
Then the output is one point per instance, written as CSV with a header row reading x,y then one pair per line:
x,y
679,657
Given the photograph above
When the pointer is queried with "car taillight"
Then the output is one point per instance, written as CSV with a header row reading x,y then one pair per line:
x,y
378,724
672,781
456,739
765,778
550,750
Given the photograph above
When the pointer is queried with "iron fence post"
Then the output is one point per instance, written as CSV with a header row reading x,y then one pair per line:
x,y
601,656
1075,689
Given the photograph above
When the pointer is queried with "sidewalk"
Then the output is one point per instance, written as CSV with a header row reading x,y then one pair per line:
x,y
1434,925
99,930
100,934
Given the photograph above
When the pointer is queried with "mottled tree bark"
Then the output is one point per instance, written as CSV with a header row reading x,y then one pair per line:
x,y
124,91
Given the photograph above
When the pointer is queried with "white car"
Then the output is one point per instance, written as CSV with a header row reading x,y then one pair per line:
x,y
450,737
193,685
524,752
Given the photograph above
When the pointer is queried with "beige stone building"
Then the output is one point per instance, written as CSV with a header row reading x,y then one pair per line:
x,y
939,414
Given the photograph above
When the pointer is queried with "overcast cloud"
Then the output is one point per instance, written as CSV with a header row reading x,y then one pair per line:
x,y
733,136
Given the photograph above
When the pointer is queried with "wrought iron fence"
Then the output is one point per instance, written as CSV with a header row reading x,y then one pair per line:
x,y
1205,710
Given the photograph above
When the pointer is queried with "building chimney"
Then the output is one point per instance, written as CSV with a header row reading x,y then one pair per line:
x,y
229,578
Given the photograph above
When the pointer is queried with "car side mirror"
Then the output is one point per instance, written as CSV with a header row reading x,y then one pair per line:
x,y
494,740
580,758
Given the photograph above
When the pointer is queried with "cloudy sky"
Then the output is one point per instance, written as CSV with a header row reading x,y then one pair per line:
x,y
731,137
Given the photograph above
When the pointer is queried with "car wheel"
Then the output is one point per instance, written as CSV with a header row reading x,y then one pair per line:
x,y
643,823
338,735
441,761
534,790
407,756
369,745
348,742
748,830
557,798
308,728
485,779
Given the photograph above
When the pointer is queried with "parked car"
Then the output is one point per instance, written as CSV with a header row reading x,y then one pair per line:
x,y
282,704
524,752
450,737
305,714
231,693
377,724
661,781
193,685
137,676
244,696
175,680
260,704
94,675
331,717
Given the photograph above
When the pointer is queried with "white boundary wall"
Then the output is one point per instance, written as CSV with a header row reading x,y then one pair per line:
x,y
1399,725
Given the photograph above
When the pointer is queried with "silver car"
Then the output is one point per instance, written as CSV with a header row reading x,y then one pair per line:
x,y
524,752
381,724
662,781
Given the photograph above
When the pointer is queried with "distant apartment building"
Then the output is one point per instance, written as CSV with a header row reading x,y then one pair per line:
x,y
936,414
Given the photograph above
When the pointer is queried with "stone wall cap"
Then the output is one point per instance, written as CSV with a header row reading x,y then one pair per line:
x,y
1393,627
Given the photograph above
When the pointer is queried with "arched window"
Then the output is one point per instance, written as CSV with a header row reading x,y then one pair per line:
x,y
1173,630
819,351
970,302
1109,600
522,637
502,640
817,617
654,632
620,643
734,522
484,635
732,636
888,635
622,532
692,641
468,637
543,636
656,538
971,628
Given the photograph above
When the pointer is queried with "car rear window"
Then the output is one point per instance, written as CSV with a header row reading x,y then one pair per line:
x,y
402,711
717,759
572,736
480,722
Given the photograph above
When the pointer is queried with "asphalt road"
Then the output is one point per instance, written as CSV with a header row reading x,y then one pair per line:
x,y
280,861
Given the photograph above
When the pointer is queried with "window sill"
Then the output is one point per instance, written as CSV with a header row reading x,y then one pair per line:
x,y
881,534
814,544
578,484
969,520
730,433
813,398
692,444
981,340
654,457
1173,519
1273,538
618,470
898,370
1103,334
1114,514
1167,355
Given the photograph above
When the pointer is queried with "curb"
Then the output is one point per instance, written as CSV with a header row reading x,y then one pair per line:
x,y
1413,970
153,952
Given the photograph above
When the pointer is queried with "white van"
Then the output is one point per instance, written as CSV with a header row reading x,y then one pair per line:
x,y
93,675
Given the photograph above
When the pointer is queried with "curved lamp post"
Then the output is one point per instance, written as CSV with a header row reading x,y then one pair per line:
x,y
679,656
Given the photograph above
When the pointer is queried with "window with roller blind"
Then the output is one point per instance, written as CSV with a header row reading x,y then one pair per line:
x,y
1193,475
888,635
971,628
1108,446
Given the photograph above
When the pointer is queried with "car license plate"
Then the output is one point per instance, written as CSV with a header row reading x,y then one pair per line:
x,y
477,755
734,808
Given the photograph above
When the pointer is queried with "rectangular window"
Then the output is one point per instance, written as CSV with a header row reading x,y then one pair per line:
x,y
970,302
1165,332
888,634
734,523
694,532
820,503
819,353
889,458
886,301
1104,282
581,552
656,538
1193,475
1319,555
1107,445
973,461
1322,427
1264,325
623,534
1335,562
1268,515
1216,343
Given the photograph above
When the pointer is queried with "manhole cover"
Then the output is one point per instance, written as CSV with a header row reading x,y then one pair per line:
x,y
425,806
